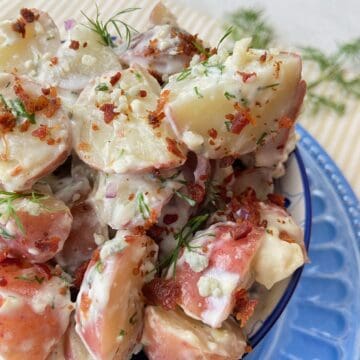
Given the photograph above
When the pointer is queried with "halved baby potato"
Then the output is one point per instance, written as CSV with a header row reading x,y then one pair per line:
x,y
118,127
33,226
173,335
34,130
109,312
77,60
130,201
35,309
214,267
26,41
234,102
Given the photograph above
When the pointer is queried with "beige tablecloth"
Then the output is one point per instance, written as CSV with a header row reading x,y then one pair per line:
x,y
339,136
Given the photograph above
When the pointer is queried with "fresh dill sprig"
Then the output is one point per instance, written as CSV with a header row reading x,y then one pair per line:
x,y
8,198
143,206
17,107
183,240
188,199
228,32
247,22
102,28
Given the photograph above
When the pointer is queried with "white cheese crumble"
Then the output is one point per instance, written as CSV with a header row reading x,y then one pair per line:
x,y
88,60
192,140
196,260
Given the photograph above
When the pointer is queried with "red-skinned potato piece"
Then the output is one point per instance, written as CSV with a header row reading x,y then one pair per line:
x,y
85,229
173,335
217,265
109,312
35,308
33,226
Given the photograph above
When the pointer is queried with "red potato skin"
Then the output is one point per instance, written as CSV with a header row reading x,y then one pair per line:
x,y
80,243
22,325
234,255
45,233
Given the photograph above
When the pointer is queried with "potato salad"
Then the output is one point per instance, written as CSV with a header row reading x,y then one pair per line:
x,y
137,203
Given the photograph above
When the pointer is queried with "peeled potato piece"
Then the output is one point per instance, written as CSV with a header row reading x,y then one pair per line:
x,y
35,132
109,313
26,41
217,264
234,102
173,335
130,201
35,308
33,226
78,59
115,126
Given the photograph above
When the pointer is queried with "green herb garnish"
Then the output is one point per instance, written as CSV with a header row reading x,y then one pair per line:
x,y
228,125
184,74
270,86
143,206
19,109
188,199
261,138
102,28
102,87
197,92
182,239
227,33
229,96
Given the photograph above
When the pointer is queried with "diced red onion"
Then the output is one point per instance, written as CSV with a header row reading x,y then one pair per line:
x,y
111,190
69,24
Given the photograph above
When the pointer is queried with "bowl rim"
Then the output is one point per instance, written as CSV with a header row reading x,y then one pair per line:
x,y
285,298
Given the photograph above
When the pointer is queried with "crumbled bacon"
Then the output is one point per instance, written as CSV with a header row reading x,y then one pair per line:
x,y
246,76
277,199
286,237
109,113
3,281
241,119
19,27
7,121
263,57
277,66
28,15
286,122
52,107
156,116
212,133
85,303
152,48
25,126
142,93
170,218
244,306
45,91
115,78
196,192
172,146
44,270
163,292
42,132
50,244
54,60
74,44
246,207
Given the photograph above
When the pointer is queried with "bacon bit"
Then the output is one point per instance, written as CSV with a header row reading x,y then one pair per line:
x,y
28,15
131,197
54,60
115,78
16,171
286,122
63,290
41,103
42,132
277,199
50,141
244,306
152,48
142,93
25,126
170,218
155,232
44,270
53,106
196,192
263,57
246,76
229,117
95,127
85,303
74,44
156,116
286,237
172,146
212,133
83,146
109,113
248,348
51,244
19,27
277,65
85,44
7,121
163,292
45,91
246,207
79,274
53,91
241,119
3,281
